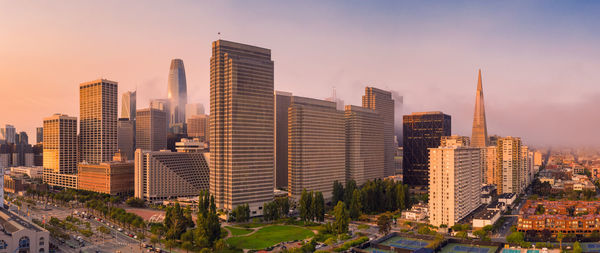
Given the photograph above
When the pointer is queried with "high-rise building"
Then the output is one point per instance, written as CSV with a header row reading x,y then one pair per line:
x,y
162,175
398,112
22,138
241,128
150,129
491,165
510,165
98,120
453,191
160,104
339,103
537,158
365,146
479,136
60,150
381,101
198,127
126,137
114,177
421,131
39,135
8,133
454,140
316,146
128,105
282,103
177,92
193,109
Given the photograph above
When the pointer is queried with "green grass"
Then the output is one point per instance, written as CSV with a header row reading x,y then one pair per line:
x,y
269,236
250,225
239,231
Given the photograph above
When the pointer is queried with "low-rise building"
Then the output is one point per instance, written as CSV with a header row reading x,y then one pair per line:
x,y
485,218
507,198
18,234
417,212
568,217
32,172
114,177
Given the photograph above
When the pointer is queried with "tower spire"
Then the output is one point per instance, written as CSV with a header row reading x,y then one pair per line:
x,y
479,136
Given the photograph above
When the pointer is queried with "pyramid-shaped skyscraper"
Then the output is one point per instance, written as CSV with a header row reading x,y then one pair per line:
x,y
479,136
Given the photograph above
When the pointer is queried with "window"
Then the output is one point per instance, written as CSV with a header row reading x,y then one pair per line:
x,y
24,242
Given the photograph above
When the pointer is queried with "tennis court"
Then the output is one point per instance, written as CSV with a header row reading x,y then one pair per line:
x,y
590,247
375,250
406,243
464,248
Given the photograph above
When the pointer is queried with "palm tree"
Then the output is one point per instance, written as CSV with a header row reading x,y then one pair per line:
x,y
560,237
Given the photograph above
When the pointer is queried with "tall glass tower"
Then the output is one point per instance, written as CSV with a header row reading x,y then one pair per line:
x,y
177,92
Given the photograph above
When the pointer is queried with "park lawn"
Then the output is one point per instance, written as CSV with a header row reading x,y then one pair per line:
x,y
239,231
269,236
250,225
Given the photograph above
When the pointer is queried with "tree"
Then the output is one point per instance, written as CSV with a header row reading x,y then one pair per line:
x,y
305,205
283,204
481,234
187,246
208,229
342,219
384,222
577,247
318,206
241,213
338,193
349,190
515,238
355,205
560,238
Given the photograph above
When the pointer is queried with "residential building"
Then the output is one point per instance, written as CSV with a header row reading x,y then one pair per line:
x,y
150,129
177,92
381,101
566,217
421,131
479,136
452,192
455,140
98,120
491,172
316,146
365,146
163,175
282,104
241,128
510,165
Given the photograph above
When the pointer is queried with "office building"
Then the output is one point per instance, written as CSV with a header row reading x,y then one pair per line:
x,y
365,146
150,129
163,175
421,131
113,178
398,112
128,105
126,137
160,104
98,120
19,234
22,138
241,128
381,101
60,149
510,165
316,146
282,103
8,133
453,189
479,136
39,134
398,160
177,92
199,127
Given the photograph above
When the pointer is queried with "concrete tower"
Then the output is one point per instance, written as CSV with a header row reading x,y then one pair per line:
x,y
479,137
98,125
177,92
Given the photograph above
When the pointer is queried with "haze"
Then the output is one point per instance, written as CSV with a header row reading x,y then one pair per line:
x,y
539,59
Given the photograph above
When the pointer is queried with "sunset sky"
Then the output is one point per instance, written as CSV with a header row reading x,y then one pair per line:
x,y
540,59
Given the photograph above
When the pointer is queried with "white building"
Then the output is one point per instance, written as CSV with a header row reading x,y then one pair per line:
x,y
485,218
18,234
32,171
454,188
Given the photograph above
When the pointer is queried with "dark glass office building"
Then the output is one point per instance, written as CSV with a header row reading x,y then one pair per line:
x,y
422,130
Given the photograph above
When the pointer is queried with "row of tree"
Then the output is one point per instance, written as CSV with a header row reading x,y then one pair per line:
x,y
311,206
276,209
372,197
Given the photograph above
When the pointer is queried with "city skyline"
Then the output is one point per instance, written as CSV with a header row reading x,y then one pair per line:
x,y
523,80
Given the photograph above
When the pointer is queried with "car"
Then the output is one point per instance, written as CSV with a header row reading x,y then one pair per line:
x,y
120,229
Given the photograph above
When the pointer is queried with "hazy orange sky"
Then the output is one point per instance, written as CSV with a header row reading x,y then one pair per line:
x,y
540,59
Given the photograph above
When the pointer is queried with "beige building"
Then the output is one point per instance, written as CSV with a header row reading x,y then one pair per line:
x,y
490,172
18,234
282,104
198,127
381,101
98,120
60,150
150,130
316,146
452,192
510,165
455,140
241,125
537,158
114,177
163,175
364,144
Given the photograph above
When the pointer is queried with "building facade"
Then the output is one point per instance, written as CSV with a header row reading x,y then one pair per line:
x,y
98,120
199,127
126,137
510,165
282,104
19,234
128,105
241,128
60,148
177,92
316,146
421,131
39,134
365,146
8,134
381,101
479,136
151,131
113,178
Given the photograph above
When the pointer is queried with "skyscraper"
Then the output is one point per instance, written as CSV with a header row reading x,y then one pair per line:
x,y
381,101
177,92
454,191
316,146
421,131
282,104
126,137
98,120
8,133
39,134
479,137
150,129
241,115
128,105
365,148
60,148
198,127
510,165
